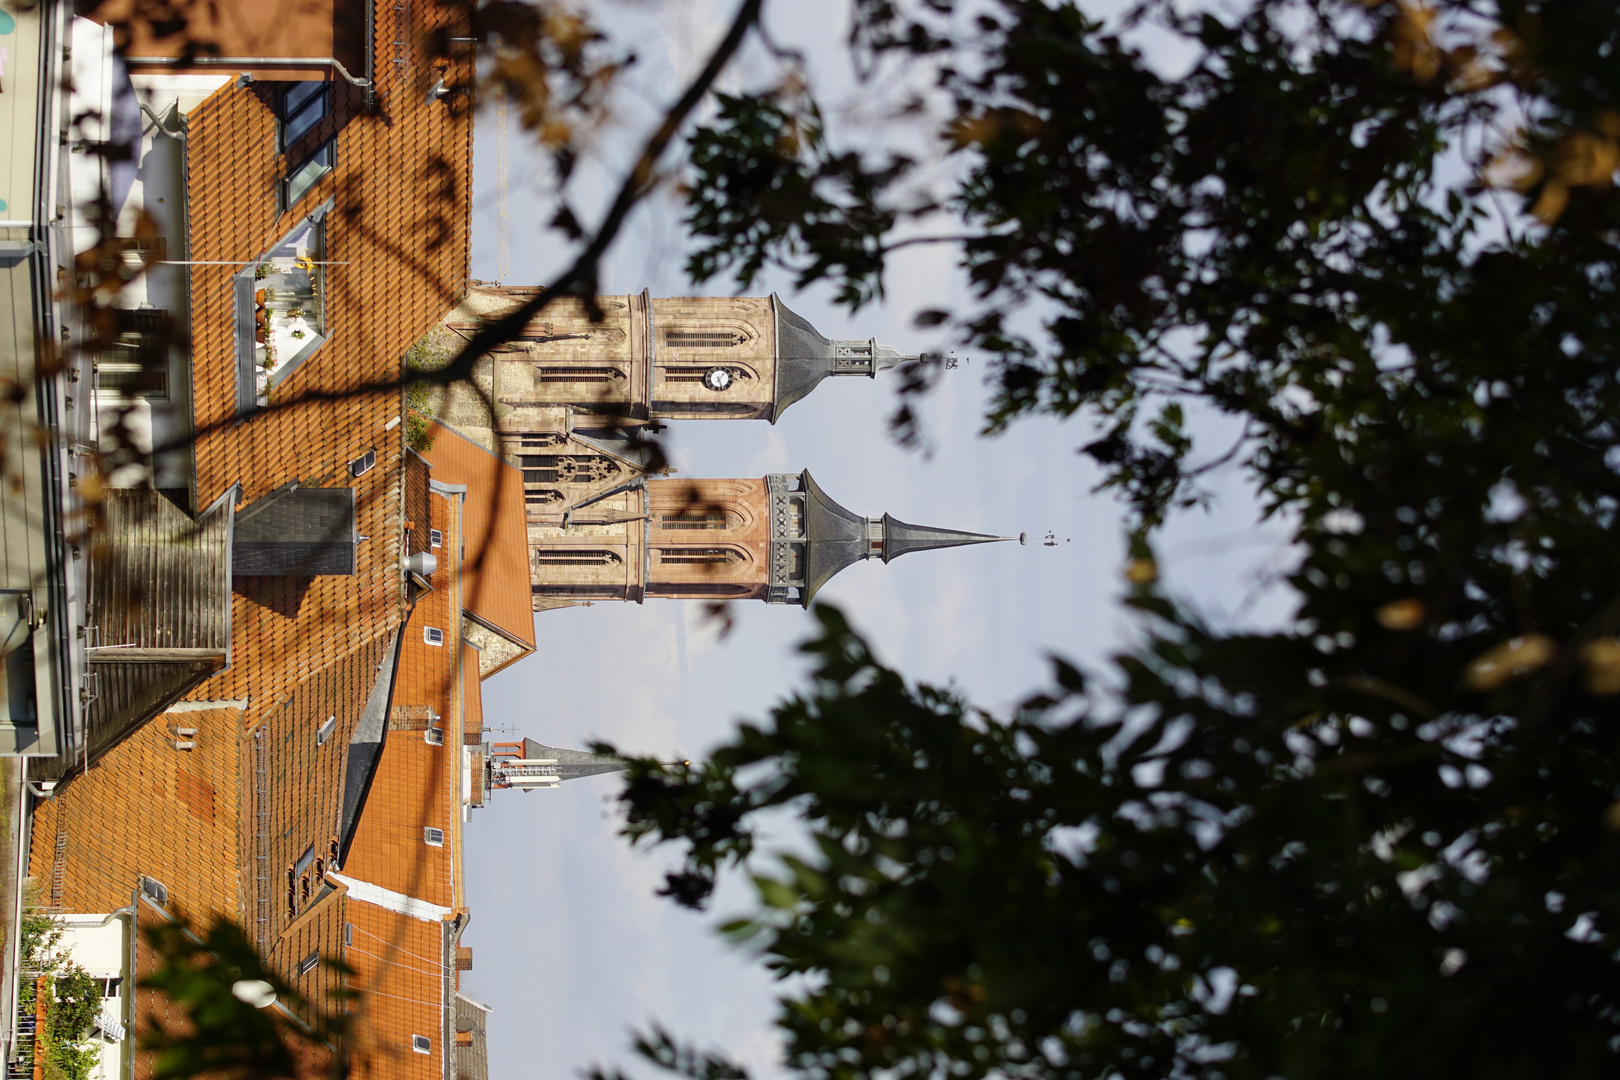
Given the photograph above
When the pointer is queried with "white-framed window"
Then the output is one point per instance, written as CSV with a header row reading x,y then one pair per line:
x,y
432,837
307,964
324,732
421,1044
363,464
348,933
433,635
434,736
435,538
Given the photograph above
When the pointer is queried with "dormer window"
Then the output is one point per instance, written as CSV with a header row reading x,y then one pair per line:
x,y
280,311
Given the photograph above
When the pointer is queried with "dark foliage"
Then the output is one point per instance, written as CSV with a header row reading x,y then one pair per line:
x,y
1383,841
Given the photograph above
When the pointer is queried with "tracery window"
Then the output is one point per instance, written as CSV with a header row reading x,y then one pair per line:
x,y
557,469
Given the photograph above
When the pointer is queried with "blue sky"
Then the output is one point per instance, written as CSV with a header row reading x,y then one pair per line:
x,y
573,949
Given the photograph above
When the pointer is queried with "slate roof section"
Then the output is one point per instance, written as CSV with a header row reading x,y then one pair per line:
x,y
899,538
838,538
299,531
472,1053
365,750
495,570
803,358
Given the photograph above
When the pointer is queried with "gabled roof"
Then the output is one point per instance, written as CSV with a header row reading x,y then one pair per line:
x,y
495,562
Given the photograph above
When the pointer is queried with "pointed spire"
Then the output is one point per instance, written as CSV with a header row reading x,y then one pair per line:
x,y
900,538
812,538
528,765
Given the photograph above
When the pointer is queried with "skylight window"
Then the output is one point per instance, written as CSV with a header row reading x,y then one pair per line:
x,y
432,635
313,168
421,1044
303,105
433,736
433,837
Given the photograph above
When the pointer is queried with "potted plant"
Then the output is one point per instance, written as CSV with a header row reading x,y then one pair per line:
x,y
298,334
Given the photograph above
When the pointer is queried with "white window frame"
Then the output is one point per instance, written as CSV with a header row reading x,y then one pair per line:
x,y
435,538
324,732
433,736
432,635
421,1044
309,963
429,833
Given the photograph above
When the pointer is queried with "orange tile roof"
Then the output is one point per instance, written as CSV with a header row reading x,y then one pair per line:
x,y
399,971
415,785
147,808
496,587
399,225
303,782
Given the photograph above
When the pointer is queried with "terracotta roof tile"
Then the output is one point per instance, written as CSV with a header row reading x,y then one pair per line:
x,y
401,188
415,783
496,566
147,808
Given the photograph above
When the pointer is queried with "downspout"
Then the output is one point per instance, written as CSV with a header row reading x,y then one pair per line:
x,y
134,936
270,61
371,48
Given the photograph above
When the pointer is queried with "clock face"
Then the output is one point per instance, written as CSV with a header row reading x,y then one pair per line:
x,y
717,378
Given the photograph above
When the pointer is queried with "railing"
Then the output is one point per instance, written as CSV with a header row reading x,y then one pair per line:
x,y
28,1054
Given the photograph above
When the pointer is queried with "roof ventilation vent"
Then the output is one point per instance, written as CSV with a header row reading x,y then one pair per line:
x,y
422,564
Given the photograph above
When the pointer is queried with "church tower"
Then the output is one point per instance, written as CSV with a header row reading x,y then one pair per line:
x,y
777,538
649,359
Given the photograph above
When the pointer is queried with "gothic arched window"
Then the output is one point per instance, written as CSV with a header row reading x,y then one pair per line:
x,y
715,338
575,557
695,519
550,374
714,556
